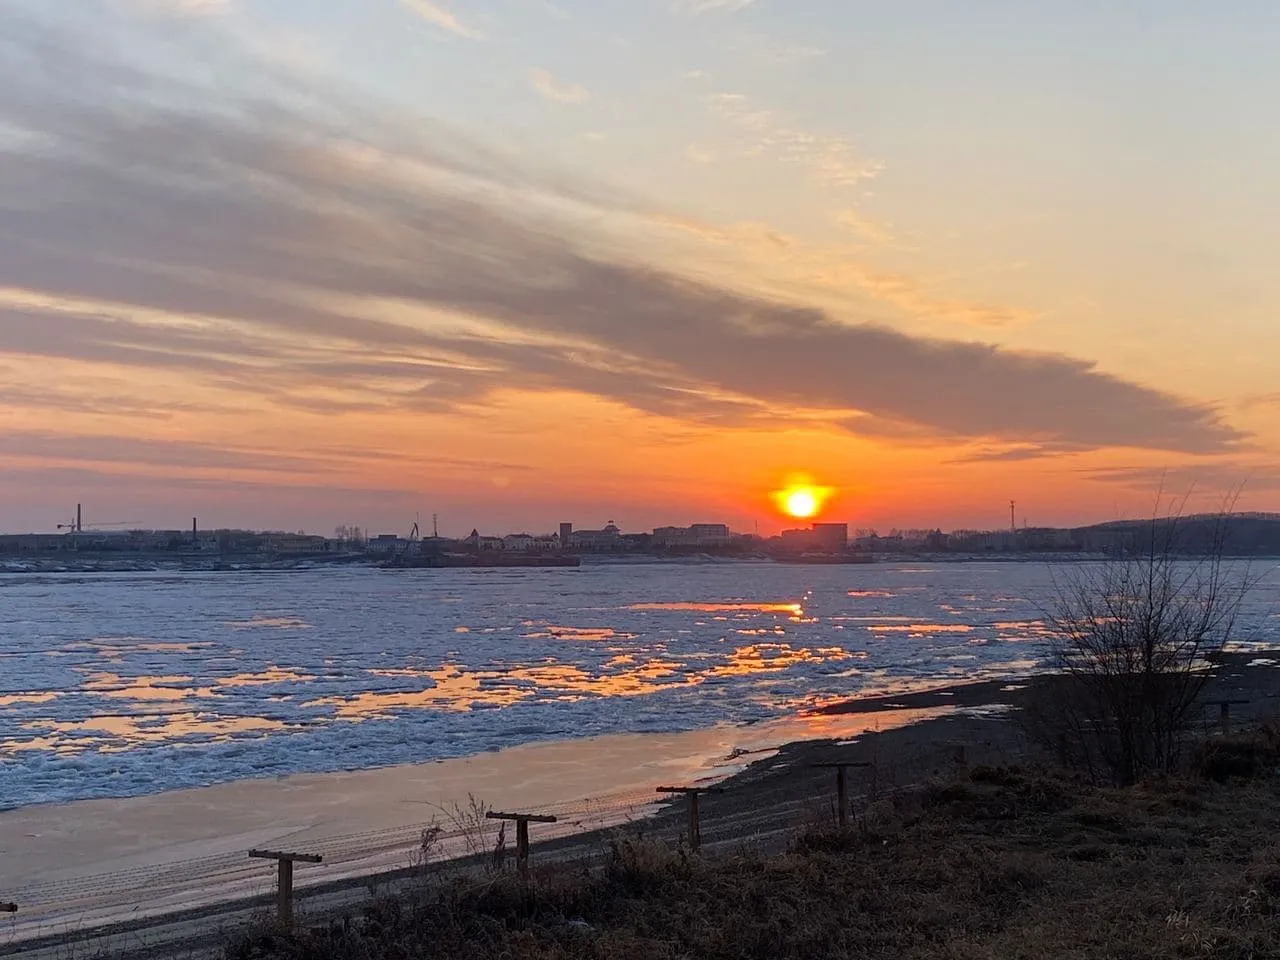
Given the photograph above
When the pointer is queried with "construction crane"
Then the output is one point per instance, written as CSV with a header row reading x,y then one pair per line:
x,y
78,525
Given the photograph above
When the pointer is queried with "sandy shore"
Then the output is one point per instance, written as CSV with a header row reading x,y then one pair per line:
x,y
93,862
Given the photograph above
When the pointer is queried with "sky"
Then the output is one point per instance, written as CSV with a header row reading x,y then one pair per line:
x,y
291,264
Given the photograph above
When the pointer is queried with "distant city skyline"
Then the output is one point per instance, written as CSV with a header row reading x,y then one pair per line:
x,y
460,527
295,263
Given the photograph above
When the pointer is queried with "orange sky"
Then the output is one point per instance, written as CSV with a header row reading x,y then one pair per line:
x,y
288,266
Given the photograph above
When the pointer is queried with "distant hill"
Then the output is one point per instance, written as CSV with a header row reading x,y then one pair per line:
x,y
1242,534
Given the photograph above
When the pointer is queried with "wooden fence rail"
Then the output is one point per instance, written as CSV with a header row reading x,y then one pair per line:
x,y
522,821
695,822
284,886
842,786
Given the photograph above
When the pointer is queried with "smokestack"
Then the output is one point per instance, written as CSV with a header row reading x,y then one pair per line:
x,y
79,519
195,529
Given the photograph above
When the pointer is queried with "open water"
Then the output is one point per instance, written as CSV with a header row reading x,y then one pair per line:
x,y
126,684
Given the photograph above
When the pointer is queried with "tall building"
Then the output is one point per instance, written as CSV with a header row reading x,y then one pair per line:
x,y
566,536
833,537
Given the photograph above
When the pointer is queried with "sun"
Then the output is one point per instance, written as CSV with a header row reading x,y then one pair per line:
x,y
801,503
801,498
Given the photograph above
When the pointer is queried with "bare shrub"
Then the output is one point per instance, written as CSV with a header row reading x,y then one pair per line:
x,y
461,830
1134,638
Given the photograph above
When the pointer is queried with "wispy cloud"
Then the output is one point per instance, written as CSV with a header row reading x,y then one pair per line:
x,y
180,8
831,159
762,48
553,89
1260,401
1216,477
442,18
868,229
1019,452
696,154
696,7
253,246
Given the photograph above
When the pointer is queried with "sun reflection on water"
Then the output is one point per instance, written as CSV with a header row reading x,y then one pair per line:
x,y
118,733
793,609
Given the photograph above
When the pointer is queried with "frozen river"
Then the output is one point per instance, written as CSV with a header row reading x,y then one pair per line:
x,y
125,684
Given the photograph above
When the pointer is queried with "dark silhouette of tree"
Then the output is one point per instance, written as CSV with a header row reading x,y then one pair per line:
x,y
1134,639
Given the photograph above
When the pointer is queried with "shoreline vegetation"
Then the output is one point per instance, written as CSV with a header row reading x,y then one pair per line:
x,y
994,862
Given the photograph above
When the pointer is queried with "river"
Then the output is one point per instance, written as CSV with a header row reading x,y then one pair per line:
x,y
116,685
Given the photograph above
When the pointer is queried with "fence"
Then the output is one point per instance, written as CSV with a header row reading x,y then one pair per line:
x,y
57,907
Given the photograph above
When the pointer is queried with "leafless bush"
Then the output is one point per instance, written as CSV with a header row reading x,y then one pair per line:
x,y
461,830
1134,637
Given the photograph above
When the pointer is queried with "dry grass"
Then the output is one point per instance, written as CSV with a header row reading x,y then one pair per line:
x,y
1002,864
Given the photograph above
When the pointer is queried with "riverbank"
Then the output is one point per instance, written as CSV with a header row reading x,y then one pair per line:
x,y
96,863
993,863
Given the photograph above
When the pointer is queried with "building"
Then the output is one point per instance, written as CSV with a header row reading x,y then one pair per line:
x,y
294,544
606,540
386,543
831,537
697,536
479,542
820,538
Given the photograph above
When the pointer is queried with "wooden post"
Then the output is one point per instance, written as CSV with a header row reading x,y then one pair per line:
x,y
284,885
1224,713
522,821
842,787
695,824
284,894
695,817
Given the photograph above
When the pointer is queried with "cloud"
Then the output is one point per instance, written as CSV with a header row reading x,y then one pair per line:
x,y
769,50
696,154
696,7
442,18
1259,401
868,229
553,89
1019,453
260,245
180,8
139,454
831,159
1218,477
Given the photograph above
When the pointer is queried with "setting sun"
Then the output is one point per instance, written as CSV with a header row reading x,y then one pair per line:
x,y
801,503
802,499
